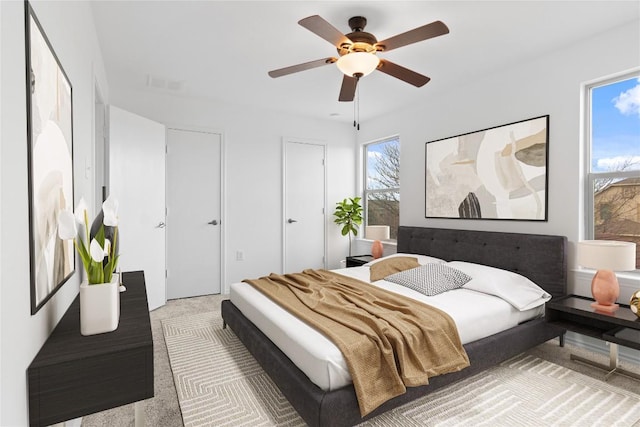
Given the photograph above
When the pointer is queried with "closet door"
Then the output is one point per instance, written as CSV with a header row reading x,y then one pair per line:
x,y
304,206
194,220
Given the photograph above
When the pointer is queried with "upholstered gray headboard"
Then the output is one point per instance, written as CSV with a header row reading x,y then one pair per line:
x,y
541,258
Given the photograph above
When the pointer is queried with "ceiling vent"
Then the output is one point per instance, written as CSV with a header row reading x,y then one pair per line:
x,y
155,82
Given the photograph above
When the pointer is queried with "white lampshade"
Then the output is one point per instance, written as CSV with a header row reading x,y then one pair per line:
x,y
607,255
358,63
377,232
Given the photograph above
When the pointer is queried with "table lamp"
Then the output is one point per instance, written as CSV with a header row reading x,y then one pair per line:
x,y
377,233
606,256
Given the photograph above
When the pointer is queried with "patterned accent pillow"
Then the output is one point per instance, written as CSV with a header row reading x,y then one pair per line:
x,y
430,279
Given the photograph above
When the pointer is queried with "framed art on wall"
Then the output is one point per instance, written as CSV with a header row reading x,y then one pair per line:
x,y
495,173
50,163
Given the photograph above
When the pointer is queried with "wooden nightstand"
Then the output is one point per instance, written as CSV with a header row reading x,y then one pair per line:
x,y
621,327
358,260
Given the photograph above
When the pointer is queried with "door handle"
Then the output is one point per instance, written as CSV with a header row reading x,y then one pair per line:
x,y
213,222
160,225
291,221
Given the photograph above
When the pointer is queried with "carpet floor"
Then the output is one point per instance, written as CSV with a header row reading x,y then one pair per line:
x,y
546,362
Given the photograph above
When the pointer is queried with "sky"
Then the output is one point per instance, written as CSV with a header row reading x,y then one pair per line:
x,y
616,125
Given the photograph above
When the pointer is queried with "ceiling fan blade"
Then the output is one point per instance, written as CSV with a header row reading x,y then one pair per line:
x,y
301,67
434,29
348,89
317,25
402,73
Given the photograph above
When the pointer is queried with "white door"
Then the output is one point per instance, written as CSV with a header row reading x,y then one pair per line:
x,y
137,176
304,206
194,223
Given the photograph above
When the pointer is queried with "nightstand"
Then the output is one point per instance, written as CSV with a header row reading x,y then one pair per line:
x,y
358,260
74,375
621,327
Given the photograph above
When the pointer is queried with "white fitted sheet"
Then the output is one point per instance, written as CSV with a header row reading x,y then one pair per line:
x,y
476,315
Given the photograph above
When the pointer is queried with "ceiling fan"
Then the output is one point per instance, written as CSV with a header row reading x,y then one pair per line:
x,y
357,52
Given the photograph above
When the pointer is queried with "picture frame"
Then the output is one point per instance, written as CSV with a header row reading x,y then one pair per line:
x,y
50,162
498,173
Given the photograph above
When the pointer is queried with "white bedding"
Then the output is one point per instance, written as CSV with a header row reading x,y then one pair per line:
x,y
477,315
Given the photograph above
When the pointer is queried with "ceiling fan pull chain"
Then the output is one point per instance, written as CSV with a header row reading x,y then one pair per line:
x,y
358,107
354,114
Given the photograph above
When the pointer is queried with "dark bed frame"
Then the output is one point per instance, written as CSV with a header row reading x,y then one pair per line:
x,y
541,258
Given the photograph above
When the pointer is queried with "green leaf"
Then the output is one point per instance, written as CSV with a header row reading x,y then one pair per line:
x,y
84,254
95,273
100,236
109,268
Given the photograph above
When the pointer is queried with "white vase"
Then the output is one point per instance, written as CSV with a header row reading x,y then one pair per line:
x,y
99,307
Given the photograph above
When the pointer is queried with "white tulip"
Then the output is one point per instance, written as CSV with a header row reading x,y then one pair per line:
x,y
110,211
107,247
96,251
67,228
81,208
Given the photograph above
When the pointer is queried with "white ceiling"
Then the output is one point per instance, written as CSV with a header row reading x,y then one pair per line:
x,y
223,50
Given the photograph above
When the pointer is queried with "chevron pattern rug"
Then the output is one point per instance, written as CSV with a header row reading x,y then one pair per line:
x,y
220,384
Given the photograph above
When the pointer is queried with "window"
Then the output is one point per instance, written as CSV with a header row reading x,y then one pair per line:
x,y
382,184
613,178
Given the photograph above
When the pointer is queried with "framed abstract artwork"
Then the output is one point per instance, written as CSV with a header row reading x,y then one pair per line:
x,y
50,163
496,173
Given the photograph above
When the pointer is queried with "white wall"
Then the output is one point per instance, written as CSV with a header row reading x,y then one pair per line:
x,y
550,84
69,27
253,143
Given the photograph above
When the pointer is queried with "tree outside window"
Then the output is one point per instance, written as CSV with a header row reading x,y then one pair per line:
x,y
614,170
382,184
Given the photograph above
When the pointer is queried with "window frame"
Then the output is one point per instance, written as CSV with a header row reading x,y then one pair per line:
x,y
591,177
365,190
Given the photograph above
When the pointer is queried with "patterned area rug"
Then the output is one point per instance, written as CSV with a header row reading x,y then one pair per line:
x,y
220,384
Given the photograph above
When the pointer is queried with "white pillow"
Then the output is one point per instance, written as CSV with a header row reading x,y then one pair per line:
x,y
422,259
517,290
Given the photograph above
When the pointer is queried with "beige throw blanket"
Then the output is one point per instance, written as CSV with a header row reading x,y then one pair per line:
x,y
389,341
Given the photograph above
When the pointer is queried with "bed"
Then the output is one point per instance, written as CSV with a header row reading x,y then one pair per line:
x,y
541,258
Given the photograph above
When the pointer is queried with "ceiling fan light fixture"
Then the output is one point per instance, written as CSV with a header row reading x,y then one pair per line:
x,y
361,63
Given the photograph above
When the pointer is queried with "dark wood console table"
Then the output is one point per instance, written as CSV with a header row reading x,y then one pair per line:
x,y
621,327
75,375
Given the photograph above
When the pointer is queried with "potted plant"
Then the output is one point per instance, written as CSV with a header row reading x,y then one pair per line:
x,y
99,291
348,214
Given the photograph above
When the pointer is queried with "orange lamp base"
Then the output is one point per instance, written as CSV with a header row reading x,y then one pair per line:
x,y
605,290
377,249
606,308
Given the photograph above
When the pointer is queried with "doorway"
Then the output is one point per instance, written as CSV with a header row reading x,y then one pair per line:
x,y
194,214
